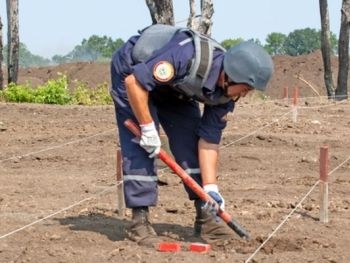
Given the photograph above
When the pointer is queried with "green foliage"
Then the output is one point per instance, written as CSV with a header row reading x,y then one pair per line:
x,y
302,41
26,58
298,42
334,43
17,93
255,40
53,92
227,43
95,48
81,95
56,91
102,95
58,59
84,95
275,44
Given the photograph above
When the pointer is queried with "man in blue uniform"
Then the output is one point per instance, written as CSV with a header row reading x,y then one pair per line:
x,y
159,78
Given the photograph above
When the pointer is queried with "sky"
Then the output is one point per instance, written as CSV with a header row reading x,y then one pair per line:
x,y
49,27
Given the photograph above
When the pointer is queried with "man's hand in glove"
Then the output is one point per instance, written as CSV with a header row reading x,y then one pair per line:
x,y
150,140
213,191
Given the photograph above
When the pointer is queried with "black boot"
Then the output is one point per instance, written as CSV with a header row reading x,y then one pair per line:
x,y
141,230
207,227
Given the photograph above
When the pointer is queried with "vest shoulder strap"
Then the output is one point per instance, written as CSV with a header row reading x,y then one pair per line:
x,y
193,83
152,39
204,47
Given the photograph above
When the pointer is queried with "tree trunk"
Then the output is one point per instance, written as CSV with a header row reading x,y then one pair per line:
x,y
203,22
341,92
12,40
326,48
162,11
1,58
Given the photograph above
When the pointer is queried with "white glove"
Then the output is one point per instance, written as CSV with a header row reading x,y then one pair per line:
x,y
213,191
150,140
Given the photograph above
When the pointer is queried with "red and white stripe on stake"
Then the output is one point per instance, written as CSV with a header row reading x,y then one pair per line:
x,y
324,164
295,102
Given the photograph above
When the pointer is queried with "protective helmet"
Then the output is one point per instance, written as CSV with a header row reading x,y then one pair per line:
x,y
248,63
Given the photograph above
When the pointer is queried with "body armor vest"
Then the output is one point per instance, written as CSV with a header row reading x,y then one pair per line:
x,y
153,38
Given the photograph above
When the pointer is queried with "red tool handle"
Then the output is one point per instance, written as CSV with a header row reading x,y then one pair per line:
x,y
191,183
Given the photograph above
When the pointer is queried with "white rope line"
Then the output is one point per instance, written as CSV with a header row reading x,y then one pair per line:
x,y
340,103
292,212
340,165
57,146
282,223
59,211
288,101
255,131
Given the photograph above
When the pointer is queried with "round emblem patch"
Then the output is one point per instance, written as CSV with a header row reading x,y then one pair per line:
x,y
163,71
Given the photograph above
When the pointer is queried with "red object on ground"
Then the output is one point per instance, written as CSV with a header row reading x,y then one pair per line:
x,y
199,247
169,247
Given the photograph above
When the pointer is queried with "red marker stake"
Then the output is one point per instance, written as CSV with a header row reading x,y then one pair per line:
x,y
295,102
295,96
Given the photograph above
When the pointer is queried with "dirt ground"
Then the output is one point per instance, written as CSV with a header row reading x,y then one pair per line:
x,y
58,191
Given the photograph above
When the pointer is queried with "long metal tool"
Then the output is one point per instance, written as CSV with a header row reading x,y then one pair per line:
x,y
191,183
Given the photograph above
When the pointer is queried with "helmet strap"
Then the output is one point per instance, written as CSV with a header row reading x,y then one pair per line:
x,y
228,83
225,88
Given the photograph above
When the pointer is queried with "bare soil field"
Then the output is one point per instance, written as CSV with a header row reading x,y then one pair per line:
x,y
58,191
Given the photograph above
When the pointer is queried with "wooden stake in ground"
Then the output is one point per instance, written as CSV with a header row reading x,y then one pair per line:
x,y
120,185
295,103
324,184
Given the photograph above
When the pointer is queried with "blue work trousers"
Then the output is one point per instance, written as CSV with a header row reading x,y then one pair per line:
x,y
179,119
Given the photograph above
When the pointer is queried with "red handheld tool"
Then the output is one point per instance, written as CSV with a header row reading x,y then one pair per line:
x,y
191,183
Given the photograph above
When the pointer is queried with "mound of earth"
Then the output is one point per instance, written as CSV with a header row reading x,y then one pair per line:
x,y
305,72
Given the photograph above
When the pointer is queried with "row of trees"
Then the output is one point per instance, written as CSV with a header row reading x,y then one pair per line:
x,y
96,48
302,41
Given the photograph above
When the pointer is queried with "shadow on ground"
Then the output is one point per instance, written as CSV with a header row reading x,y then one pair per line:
x,y
115,228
